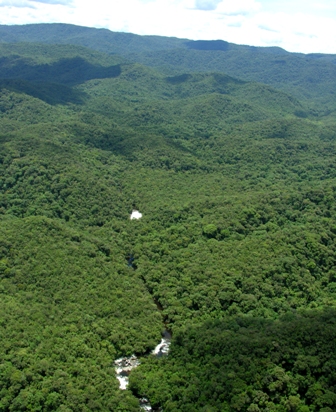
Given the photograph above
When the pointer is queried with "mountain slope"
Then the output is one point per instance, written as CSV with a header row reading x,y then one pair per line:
x,y
303,77
308,77
97,39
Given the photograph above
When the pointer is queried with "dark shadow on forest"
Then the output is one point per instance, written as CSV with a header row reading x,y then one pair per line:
x,y
259,341
69,71
218,45
182,78
247,361
51,93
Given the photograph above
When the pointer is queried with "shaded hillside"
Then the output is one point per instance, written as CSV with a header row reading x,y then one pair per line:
x,y
247,365
55,64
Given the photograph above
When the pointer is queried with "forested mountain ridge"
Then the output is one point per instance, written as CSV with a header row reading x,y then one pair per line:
x,y
305,76
235,251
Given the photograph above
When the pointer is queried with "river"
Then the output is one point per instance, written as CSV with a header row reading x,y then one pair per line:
x,y
124,366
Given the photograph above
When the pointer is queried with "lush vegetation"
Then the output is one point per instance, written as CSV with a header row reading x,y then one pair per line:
x,y
235,252
308,77
247,364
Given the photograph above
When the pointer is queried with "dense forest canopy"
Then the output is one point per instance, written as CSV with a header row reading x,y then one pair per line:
x,y
229,153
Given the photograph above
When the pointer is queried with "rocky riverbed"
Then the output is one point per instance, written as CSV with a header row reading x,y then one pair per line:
x,y
124,366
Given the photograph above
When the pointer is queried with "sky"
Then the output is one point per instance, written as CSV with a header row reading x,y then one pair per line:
x,y
304,26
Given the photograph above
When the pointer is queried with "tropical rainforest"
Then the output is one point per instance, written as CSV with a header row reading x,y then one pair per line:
x,y
229,153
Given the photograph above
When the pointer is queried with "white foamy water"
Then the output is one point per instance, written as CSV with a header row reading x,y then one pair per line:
x,y
145,405
135,215
163,347
123,367
123,381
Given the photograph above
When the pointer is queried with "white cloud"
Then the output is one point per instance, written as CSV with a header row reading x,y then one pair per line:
x,y
31,3
64,2
206,4
238,7
297,32
16,3
303,26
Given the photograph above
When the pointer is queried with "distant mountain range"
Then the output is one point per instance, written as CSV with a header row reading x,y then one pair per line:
x,y
308,76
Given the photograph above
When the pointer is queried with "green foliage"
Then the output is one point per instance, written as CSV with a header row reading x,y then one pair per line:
x,y
303,76
235,252
246,364
69,307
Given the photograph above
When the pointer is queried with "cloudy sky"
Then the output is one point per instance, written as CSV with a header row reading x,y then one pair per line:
x,y
305,26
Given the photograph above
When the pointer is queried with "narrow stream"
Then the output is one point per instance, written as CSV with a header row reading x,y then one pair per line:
x,y
124,366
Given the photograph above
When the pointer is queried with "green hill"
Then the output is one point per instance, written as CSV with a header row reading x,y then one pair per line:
x,y
300,75
307,77
235,252
97,39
